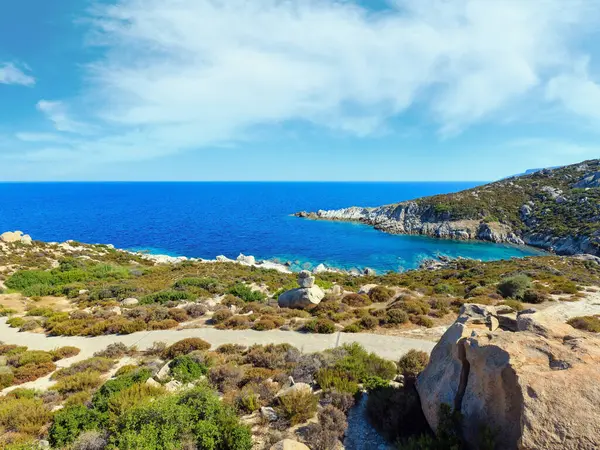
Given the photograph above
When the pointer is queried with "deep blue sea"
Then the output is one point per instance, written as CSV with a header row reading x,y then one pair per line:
x,y
210,219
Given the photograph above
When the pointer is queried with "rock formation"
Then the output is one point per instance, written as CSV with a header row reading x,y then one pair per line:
x,y
15,236
308,294
537,387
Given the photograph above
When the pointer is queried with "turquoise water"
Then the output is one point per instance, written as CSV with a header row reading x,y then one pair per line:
x,y
209,219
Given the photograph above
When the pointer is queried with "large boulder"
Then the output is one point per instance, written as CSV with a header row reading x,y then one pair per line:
x,y
15,236
535,388
308,294
289,444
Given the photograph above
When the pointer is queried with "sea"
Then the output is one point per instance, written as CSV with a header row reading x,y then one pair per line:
x,y
206,219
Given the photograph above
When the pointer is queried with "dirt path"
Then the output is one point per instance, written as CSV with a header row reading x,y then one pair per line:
x,y
390,347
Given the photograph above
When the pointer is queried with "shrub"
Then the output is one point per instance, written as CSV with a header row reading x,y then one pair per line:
x,y
369,322
231,349
327,432
196,310
7,378
166,296
178,314
586,323
360,364
166,324
221,316
340,380
29,357
321,326
353,328
423,321
186,369
157,348
23,415
271,356
208,284
247,400
297,406
396,413
31,372
16,322
414,306
133,396
225,378
412,364
69,423
306,368
396,316
514,287
264,325
246,293
64,352
114,351
514,304
90,440
96,364
381,294
111,387
343,401
83,381
444,288
535,297
11,349
374,383
185,346
236,323
356,300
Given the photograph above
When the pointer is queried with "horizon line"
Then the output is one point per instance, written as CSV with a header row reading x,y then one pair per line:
x,y
238,181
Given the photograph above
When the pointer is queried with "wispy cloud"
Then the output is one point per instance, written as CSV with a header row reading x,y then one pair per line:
x,y
11,74
176,75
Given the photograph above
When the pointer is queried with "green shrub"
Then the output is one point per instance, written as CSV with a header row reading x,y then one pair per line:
x,y
415,306
353,328
514,304
586,323
23,415
186,369
369,322
444,288
360,364
340,380
412,364
16,322
514,286
33,371
221,316
209,284
423,321
111,387
185,346
7,378
396,317
69,423
246,293
264,325
535,297
247,400
83,381
64,352
297,406
374,383
23,279
321,326
381,294
166,296
356,300
133,396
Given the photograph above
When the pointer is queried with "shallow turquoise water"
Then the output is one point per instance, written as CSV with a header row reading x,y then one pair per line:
x,y
209,219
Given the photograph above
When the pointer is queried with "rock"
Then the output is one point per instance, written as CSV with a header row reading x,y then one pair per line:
x,y
43,444
250,260
83,291
337,290
173,386
305,279
289,444
152,382
15,236
116,310
525,211
298,387
210,303
369,272
320,269
164,372
515,383
590,181
26,239
366,289
130,302
269,413
222,258
301,298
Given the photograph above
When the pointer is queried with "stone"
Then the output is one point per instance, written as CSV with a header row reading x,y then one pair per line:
x,y
305,279
130,302
515,382
320,269
289,444
301,298
525,211
366,288
369,272
269,413
152,382
337,290
26,239
222,258
11,236
116,310
83,291
164,372
297,387
250,260
173,386
590,181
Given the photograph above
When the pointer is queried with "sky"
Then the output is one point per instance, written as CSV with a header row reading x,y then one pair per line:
x,y
374,90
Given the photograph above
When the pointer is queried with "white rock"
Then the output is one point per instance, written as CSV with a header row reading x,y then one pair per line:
x,y
301,297
26,239
152,382
173,386
366,288
222,258
250,260
11,236
320,269
83,291
130,301
305,279
289,444
269,413
298,387
164,372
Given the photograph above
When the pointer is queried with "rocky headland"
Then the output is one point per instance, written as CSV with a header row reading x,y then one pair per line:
x,y
553,209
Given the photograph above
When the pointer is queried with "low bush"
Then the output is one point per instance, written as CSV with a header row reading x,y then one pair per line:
x,y
226,378
64,352
423,321
7,378
231,349
264,325
196,310
360,364
23,415
186,369
221,316
133,396
165,324
353,328
586,323
185,346
96,364
69,423
396,317
381,294
320,326
415,306
83,381
114,351
328,431
178,314
412,364
297,406
340,380
111,387
374,383
236,323
31,372
535,297
271,356
247,400
246,293
343,401
166,297
356,300
514,286
29,357
369,322
514,304
90,440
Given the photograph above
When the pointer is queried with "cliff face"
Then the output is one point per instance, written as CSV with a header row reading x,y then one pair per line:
x,y
556,209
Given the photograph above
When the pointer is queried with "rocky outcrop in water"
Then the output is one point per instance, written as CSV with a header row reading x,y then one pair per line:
x,y
529,378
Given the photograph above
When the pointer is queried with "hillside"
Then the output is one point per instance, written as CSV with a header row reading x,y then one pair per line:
x,y
555,209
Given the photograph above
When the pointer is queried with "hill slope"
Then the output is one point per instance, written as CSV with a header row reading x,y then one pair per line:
x,y
555,209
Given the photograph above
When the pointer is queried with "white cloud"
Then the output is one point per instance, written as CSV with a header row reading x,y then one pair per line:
x,y
57,112
184,74
11,74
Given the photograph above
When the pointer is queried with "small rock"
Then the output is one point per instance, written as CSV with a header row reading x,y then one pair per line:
x,y
130,301
320,269
269,413
116,310
152,382
369,272
26,239
298,387
164,372
173,386
337,290
246,259
83,291
366,289
222,258
289,444
305,279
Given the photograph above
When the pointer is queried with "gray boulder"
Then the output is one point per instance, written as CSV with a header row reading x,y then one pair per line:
x,y
301,298
305,279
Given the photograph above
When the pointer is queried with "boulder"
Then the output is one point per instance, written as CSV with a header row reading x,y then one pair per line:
x,y
250,260
289,444
130,302
590,181
369,272
514,382
152,382
15,236
297,387
164,372
301,298
269,413
320,268
305,279
173,386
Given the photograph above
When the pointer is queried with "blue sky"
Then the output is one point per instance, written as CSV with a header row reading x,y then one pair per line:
x,y
296,90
